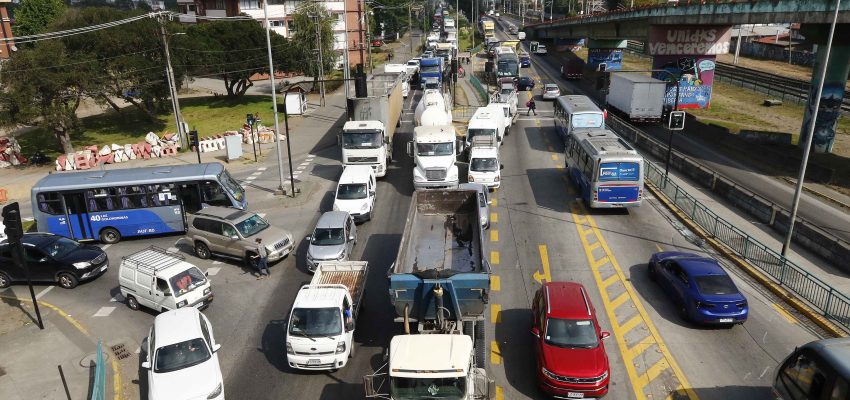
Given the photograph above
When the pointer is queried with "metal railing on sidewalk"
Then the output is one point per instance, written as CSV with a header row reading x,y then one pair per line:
x,y
827,300
98,387
482,93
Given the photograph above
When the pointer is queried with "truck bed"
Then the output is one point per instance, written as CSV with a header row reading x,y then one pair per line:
x,y
352,274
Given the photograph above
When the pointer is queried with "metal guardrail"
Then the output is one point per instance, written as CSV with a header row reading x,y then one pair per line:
x,y
98,390
833,304
482,93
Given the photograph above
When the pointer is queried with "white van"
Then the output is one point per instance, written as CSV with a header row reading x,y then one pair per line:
x,y
356,192
508,111
487,121
484,165
161,280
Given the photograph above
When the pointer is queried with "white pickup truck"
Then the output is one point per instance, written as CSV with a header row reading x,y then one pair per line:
x,y
321,324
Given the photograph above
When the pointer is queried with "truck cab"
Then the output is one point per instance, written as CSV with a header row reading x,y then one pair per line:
x,y
433,149
431,72
323,318
365,143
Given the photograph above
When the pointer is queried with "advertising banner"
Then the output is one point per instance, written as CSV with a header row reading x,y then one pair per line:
x,y
689,39
695,75
613,58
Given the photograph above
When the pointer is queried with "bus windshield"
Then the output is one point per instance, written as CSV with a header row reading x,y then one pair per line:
x,y
232,187
508,68
588,120
619,171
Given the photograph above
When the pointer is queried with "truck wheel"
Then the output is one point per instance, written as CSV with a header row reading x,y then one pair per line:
x,y
480,347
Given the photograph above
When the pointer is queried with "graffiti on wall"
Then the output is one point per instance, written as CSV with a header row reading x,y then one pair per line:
x,y
689,39
613,58
761,50
695,75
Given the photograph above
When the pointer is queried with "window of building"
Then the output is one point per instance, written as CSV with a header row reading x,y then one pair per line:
x,y
249,4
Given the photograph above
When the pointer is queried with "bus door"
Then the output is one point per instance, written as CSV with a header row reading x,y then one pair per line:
x,y
190,197
79,224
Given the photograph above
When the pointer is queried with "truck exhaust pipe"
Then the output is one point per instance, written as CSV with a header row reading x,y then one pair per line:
x,y
438,301
407,319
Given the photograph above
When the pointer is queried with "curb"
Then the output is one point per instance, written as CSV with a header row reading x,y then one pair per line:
x,y
741,263
815,193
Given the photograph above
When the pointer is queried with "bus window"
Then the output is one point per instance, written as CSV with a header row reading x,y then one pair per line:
x,y
802,378
103,199
214,195
162,195
50,203
132,197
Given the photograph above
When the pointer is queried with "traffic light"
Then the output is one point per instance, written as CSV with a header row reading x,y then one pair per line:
x,y
12,220
249,118
193,138
603,81
676,121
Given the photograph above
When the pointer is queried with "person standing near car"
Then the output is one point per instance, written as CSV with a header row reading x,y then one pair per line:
x,y
262,257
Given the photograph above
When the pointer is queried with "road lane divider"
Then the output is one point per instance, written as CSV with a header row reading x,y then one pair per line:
x,y
494,235
652,370
495,353
546,274
496,313
495,283
494,217
494,257
785,314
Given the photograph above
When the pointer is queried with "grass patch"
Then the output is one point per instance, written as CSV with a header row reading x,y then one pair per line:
x,y
209,115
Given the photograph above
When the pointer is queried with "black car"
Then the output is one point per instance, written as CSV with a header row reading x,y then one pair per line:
x,y
525,83
53,258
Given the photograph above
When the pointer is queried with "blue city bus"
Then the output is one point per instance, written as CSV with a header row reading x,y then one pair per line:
x,y
107,205
574,113
607,171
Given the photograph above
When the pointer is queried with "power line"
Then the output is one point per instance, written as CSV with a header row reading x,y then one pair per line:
x,y
82,62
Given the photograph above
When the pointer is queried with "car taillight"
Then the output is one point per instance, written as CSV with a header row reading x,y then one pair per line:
x,y
595,195
640,193
703,305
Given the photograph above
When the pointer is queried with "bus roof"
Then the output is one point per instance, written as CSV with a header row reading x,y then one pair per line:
x,y
605,143
110,177
577,104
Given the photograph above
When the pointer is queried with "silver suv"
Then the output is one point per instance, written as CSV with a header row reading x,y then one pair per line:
x,y
232,233
332,240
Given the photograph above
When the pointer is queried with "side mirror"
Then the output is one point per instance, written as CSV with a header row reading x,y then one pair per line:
x,y
43,259
146,365
535,332
350,238
410,148
309,238
166,294
372,193
339,139
234,237
349,326
501,166
206,273
605,335
216,347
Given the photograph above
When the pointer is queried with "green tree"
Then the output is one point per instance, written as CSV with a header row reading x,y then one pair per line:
x,y
232,51
40,90
304,41
34,16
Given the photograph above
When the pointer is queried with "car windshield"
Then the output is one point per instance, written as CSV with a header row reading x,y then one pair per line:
x,y
715,284
436,388
232,187
181,355
252,225
473,132
484,165
311,322
187,280
571,333
61,247
328,237
361,140
434,149
351,191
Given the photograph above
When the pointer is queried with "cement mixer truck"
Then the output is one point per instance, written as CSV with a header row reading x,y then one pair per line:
x,y
433,109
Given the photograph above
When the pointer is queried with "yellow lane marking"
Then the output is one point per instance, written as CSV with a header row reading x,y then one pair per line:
x,y
116,369
619,300
554,157
658,247
494,217
559,166
495,283
653,371
630,324
500,394
495,313
495,353
544,260
494,257
577,209
494,235
495,202
788,317
594,245
584,232
600,262
640,348
609,280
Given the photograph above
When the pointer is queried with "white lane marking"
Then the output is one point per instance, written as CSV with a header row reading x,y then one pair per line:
x,y
305,163
173,250
262,215
104,312
44,292
764,372
262,168
117,299
212,271
106,246
138,349
217,262
250,178
257,173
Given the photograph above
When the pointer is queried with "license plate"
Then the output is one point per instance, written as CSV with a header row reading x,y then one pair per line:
x,y
314,361
724,320
575,395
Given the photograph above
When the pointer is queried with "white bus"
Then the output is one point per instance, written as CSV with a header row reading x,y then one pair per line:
x,y
577,113
607,171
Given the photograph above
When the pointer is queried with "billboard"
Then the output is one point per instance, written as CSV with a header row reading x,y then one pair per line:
x,y
613,58
695,75
689,39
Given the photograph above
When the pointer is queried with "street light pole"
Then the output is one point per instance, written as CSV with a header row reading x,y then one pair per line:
x,y
169,72
321,70
274,97
795,205
346,66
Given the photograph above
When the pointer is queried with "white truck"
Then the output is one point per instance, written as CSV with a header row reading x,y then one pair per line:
x,y
488,122
433,149
321,324
484,163
400,69
639,97
433,109
367,139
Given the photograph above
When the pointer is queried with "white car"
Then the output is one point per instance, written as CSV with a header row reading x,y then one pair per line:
x,y
182,357
551,91
541,49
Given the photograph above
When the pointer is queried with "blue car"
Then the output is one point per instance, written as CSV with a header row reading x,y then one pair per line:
x,y
702,290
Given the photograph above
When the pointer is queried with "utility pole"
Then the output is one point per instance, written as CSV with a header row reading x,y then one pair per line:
x,y
274,96
410,25
317,19
169,72
368,39
346,67
361,35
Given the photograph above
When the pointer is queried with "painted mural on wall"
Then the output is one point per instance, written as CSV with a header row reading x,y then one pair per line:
x,y
830,101
613,58
695,75
566,44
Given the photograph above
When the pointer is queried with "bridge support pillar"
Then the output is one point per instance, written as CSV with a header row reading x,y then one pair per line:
x,y
687,53
837,69
608,52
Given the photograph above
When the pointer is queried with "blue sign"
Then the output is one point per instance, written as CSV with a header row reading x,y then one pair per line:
x,y
624,171
617,194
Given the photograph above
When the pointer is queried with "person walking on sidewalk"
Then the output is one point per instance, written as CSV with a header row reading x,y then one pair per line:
x,y
262,259
532,107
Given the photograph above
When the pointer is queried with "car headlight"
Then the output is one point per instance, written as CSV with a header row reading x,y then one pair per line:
x,y
289,349
364,207
183,303
207,291
309,257
216,392
82,265
549,374
498,178
340,348
341,257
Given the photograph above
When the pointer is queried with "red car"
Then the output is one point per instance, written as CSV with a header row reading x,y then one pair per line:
x,y
377,43
571,359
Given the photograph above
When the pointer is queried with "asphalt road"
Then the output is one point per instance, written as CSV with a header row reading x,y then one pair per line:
x,y
539,232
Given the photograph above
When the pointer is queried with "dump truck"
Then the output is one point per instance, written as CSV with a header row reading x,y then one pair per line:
x,y
324,315
439,287
367,138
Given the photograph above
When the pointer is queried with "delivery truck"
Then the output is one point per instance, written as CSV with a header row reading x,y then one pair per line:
x,y
367,138
638,97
